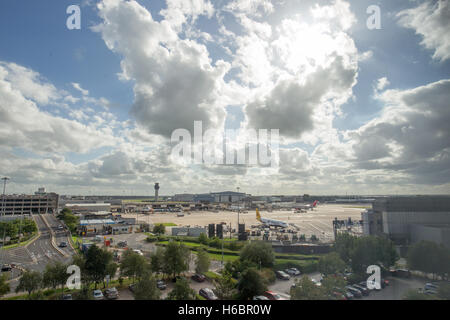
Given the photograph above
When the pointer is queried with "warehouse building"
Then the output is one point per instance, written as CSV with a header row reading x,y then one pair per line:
x,y
407,220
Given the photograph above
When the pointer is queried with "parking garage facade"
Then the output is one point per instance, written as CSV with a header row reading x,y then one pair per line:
x,y
29,204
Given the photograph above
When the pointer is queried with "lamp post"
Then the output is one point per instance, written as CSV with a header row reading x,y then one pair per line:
x,y
5,179
239,210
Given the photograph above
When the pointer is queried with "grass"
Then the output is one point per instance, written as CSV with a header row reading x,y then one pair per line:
x,y
226,258
21,244
211,275
168,224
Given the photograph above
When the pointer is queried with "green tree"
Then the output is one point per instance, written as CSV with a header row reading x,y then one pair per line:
x,y
238,266
30,282
96,264
372,251
111,269
55,274
331,264
159,229
424,256
80,261
344,245
203,239
225,287
4,286
28,226
176,258
444,291
202,262
181,291
250,284
70,220
132,265
259,253
332,284
306,289
146,289
157,260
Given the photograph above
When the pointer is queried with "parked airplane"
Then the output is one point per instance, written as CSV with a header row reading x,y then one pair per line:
x,y
270,222
306,206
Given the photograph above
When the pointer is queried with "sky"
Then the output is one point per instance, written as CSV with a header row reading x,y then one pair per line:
x,y
96,110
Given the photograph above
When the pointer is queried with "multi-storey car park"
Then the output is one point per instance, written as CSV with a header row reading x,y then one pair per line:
x,y
29,204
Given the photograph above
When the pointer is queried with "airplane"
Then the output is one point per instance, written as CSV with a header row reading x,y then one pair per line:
x,y
306,206
270,222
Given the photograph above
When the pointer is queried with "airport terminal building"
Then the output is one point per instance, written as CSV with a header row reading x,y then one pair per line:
x,y
407,220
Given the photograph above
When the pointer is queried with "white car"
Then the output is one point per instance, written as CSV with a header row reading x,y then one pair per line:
x,y
139,252
98,295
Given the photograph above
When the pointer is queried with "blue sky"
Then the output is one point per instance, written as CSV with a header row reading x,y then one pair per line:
x,y
323,136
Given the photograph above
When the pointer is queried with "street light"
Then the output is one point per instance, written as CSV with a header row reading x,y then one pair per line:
x,y
5,179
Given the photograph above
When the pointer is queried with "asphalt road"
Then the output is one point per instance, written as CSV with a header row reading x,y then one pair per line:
x,y
36,255
61,235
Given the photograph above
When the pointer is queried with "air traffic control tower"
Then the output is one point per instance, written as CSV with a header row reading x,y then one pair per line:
x,y
156,191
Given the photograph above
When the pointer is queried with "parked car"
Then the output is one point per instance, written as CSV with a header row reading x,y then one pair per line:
x,y
338,296
62,244
293,272
176,278
401,273
132,287
207,293
122,244
98,295
355,292
317,282
67,296
260,298
111,293
161,285
198,277
60,227
431,286
282,275
364,290
97,238
6,267
139,252
430,291
364,285
349,295
273,295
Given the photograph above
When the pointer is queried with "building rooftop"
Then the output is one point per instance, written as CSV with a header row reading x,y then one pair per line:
x,y
96,221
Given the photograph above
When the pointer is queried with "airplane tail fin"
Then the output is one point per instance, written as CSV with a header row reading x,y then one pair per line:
x,y
315,203
258,216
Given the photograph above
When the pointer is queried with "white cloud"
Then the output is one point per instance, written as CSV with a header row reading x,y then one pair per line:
x,y
175,82
431,20
411,136
29,83
24,125
79,88
382,83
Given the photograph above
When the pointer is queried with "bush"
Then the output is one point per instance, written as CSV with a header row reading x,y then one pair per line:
x,y
268,275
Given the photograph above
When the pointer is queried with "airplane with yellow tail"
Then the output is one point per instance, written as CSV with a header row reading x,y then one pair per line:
x,y
270,222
